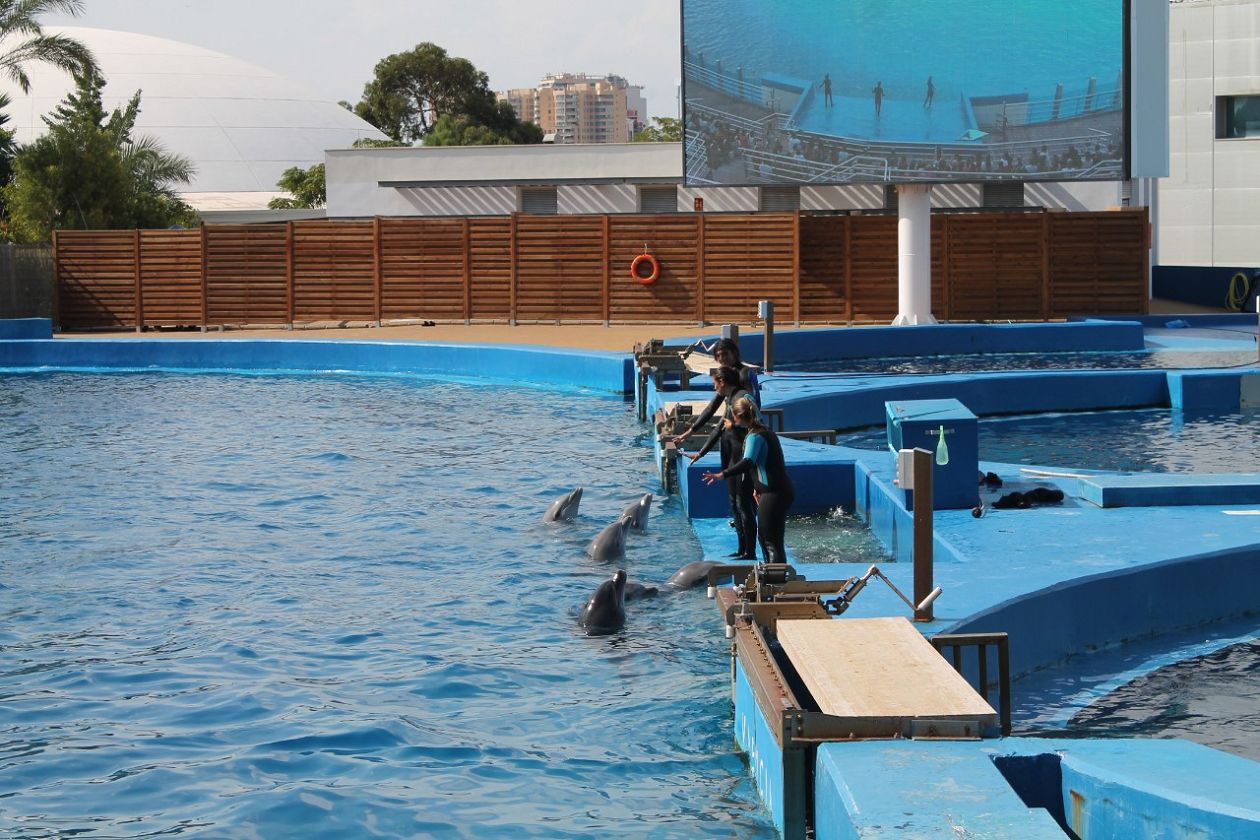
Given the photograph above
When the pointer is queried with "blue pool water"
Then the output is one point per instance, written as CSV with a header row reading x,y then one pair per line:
x,y
1148,440
322,607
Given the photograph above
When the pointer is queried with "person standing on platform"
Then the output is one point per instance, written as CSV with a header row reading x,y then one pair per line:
x,y
931,94
763,460
739,488
878,93
826,86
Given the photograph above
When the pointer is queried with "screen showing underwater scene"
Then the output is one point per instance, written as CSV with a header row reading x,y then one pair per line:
x,y
894,91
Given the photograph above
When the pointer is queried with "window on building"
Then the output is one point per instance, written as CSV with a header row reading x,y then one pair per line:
x,y
658,199
1237,116
540,201
780,199
1002,194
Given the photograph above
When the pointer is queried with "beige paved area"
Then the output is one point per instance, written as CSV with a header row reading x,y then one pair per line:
x,y
619,338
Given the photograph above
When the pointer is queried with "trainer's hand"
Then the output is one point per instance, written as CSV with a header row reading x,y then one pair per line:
x,y
711,477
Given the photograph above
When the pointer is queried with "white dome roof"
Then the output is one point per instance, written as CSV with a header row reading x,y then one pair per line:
x,y
239,124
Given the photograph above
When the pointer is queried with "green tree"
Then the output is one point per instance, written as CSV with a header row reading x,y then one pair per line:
x,y
411,91
465,131
24,40
308,188
88,172
666,130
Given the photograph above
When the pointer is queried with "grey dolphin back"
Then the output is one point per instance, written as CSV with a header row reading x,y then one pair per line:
x,y
638,511
605,612
691,575
610,543
565,508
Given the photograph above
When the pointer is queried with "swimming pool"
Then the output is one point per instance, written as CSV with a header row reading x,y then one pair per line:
x,y
327,606
1146,440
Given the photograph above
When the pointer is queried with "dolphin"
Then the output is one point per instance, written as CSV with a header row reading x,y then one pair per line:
x,y
693,574
637,591
610,544
564,508
638,512
605,612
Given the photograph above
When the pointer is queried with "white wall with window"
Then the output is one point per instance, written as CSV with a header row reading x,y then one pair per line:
x,y
1209,206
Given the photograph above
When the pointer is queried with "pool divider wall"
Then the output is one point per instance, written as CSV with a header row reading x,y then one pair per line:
x,y
527,364
25,329
1097,611
1224,391
808,345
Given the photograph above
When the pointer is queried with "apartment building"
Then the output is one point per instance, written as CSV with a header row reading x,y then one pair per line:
x,y
577,108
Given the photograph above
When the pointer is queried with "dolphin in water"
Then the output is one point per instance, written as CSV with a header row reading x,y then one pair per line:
x,y
610,544
638,591
605,612
638,512
693,574
564,508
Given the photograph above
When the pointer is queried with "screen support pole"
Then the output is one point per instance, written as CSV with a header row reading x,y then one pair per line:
x,y
914,254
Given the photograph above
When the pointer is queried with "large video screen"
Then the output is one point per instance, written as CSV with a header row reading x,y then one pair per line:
x,y
896,91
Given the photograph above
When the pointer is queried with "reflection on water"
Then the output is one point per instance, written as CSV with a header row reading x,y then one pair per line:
x,y
1212,699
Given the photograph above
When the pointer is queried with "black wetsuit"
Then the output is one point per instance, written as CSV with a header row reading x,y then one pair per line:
x,y
763,461
739,488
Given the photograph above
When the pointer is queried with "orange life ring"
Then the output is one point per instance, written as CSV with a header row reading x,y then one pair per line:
x,y
648,279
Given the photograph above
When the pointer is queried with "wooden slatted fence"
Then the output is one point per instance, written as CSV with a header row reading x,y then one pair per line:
x,y
575,268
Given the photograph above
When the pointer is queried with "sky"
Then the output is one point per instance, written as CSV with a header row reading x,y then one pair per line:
x,y
332,45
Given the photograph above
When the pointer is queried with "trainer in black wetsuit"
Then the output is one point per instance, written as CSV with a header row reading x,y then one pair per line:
x,y
763,460
739,488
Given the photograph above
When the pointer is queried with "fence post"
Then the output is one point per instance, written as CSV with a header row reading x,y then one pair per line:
x,y
467,271
1045,265
923,510
947,278
376,269
512,277
135,250
288,275
607,279
848,270
205,284
701,224
796,266
56,298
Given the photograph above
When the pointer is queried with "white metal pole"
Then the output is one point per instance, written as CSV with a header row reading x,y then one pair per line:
x,y
914,254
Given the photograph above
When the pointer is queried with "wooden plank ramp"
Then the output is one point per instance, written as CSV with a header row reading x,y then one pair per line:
x,y
879,669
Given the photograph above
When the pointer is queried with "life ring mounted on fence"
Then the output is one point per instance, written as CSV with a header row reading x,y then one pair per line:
x,y
650,261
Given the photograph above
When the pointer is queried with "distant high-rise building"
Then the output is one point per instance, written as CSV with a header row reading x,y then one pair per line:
x,y
577,108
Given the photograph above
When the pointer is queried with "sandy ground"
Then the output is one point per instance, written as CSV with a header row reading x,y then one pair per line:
x,y
620,338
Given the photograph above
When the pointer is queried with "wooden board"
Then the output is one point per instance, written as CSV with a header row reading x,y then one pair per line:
x,y
878,668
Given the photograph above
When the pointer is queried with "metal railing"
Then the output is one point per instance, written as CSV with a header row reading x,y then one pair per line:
x,y
982,642
724,83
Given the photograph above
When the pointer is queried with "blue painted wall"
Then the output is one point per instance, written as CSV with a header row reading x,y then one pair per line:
x,y
593,369
14,329
1202,285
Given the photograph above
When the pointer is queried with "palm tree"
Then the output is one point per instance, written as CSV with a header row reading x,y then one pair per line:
x,y
24,40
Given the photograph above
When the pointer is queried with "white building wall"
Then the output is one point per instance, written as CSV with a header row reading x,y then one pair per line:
x,y
1209,206
597,198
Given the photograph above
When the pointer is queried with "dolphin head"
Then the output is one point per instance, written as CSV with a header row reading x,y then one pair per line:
x,y
564,508
605,612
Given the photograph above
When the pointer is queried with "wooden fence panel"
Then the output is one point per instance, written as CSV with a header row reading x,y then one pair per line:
x,y
96,274
246,274
672,239
873,252
422,268
559,268
334,271
823,267
490,252
993,266
170,277
1097,263
748,259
